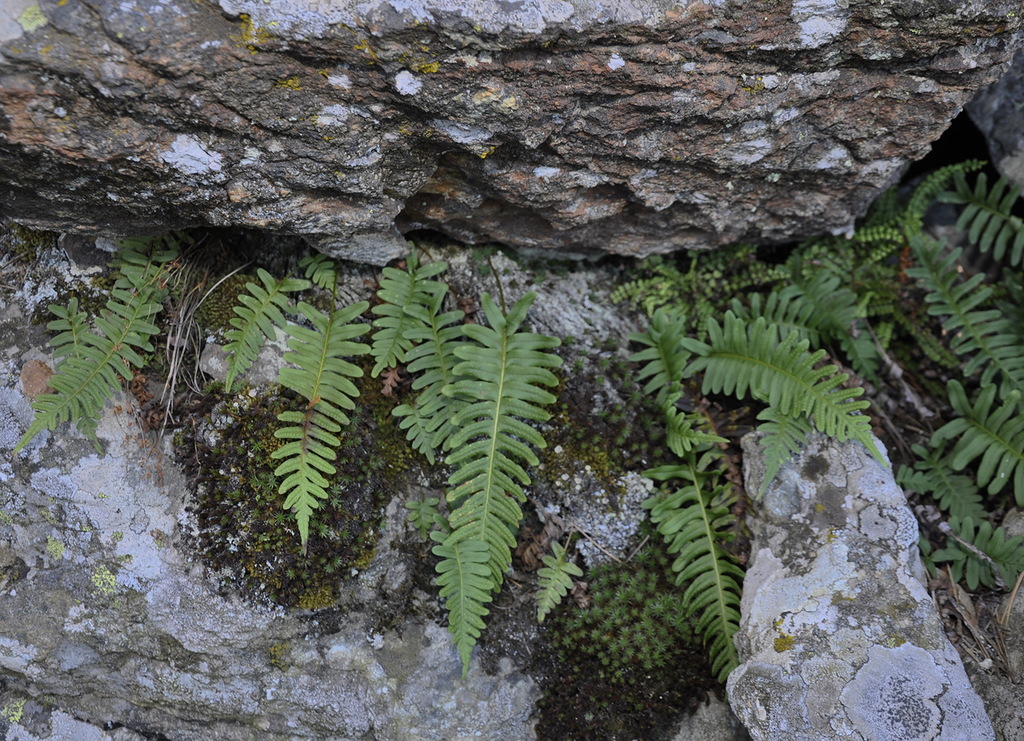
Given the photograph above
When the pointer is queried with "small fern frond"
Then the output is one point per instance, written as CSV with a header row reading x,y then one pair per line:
x,y
748,356
464,576
987,217
500,375
994,435
261,310
423,515
786,309
399,291
783,437
322,270
681,437
321,376
837,314
665,356
956,494
555,580
994,548
694,521
929,189
981,335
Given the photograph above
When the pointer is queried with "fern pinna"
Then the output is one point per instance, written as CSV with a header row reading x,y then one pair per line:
x,y
987,216
695,520
321,375
92,363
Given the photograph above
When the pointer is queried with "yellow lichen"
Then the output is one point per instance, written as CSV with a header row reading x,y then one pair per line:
x,y
55,548
104,581
290,83
784,642
32,18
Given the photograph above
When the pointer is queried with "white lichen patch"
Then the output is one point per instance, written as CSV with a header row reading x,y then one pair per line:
x,y
406,83
616,62
820,21
546,173
462,133
189,155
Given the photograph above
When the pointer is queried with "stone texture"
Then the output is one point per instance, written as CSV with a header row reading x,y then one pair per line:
x,y
839,638
997,111
631,127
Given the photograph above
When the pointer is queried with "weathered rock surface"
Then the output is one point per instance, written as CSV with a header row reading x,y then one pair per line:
x,y
632,127
996,111
839,638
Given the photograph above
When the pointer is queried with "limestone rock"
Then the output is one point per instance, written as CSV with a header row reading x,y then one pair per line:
x,y
996,110
839,638
631,127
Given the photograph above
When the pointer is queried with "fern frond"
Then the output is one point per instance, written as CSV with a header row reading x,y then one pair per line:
x,y
664,357
464,575
1005,553
423,515
93,362
784,436
694,521
322,270
321,376
555,580
786,309
932,475
261,310
929,189
837,314
399,291
681,437
987,216
500,374
742,356
994,435
981,335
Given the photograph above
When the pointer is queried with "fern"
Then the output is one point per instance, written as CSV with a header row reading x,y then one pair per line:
x,y
994,435
782,437
500,375
423,516
321,376
399,291
985,547
932,475
92,363
665,356
741,356
695,521
983,336
464,575
555,580
987,216
321,270
262,310
929,190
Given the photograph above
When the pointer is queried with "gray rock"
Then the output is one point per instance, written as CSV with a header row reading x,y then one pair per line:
x,y
839,638
996,111
632,127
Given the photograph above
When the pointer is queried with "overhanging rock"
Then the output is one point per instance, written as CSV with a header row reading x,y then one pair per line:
x,y
633,127
839,638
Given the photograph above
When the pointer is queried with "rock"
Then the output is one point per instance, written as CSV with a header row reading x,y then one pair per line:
x,y
632,128
996,111
839,638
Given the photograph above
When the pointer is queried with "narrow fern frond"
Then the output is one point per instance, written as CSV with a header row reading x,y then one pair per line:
x,y
694,521
665,356
996,435
836,313
322,270
92,363
956,494
399,291
464,575
999,550
786,309
500,374
423,515
783,437
748,356
555,580
321,376
681,436
982,336
929,190
261,310
987,217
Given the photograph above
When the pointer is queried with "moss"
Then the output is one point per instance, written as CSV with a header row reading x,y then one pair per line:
x,y
25,244
217,311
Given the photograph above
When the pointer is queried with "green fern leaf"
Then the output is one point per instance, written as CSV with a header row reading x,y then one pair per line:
x,y
1005,553
321,270
983,336
932,475
555,580
783,437
786,309
423,515
681,437
321,375
92,364
987,216
500,374
261,310
664,357
929,190
694,521
399,291
464,578
994,435
748,356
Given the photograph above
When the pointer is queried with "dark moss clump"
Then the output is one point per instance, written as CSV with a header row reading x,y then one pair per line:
x,y
629,663
242,529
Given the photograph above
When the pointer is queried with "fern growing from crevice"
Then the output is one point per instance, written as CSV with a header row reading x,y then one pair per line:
x,y
987,217
555,579
931,474
94,363
982,548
